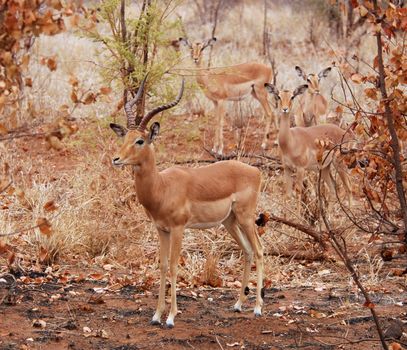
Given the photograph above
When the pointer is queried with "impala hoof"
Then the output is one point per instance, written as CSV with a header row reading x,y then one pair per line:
x,y
169,324
237,308
155,323
257,312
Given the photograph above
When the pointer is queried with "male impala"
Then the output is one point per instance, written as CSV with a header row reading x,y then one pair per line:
x,y
311,105
178,198
299,145
233,83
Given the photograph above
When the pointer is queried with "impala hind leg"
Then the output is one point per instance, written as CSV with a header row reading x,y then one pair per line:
x,y
175,251
220,116
345,180
232,227
247,225
164,250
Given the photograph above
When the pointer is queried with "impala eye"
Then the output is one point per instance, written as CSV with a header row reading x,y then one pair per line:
x,y
139,141
308,80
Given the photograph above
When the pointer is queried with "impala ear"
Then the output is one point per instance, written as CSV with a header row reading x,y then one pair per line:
x,y
272,89
299,90
210,42
300,72
118,129
154,130
184,41
324,73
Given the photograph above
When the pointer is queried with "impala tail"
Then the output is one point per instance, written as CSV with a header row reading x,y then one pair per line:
x,y
263,219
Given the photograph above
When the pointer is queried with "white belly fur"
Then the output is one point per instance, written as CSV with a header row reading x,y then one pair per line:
x,y
211,210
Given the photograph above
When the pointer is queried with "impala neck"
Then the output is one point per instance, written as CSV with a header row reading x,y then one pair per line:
x,y
202,75
284,135
148,182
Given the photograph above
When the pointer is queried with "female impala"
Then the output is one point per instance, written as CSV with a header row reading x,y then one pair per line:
x,y
299,148
232,84
311,105
178,198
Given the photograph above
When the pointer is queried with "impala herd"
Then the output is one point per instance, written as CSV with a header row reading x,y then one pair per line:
x,y
226,192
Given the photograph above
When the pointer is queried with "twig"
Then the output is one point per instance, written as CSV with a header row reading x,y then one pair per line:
x,y
217,340
319,237
27,229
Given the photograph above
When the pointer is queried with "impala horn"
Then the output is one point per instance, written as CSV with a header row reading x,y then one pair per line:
x,y
143,124
131,118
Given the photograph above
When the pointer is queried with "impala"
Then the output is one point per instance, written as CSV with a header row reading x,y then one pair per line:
x,y
299,146
233,83
311,105
177,198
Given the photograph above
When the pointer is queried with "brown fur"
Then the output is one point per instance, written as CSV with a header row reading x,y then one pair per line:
x,y
232,84
311,106
178,198
299,148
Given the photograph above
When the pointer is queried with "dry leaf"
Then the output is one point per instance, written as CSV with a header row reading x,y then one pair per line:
x,y
73,80
74,97
104,90
43,254
11,257
369,305
52,64
357,78
96,276
90,98
50,206
44,226
3,129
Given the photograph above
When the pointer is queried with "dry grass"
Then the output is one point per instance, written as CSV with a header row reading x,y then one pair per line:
x,y
99,219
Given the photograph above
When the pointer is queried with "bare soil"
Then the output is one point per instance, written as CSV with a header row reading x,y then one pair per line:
x,y
119,319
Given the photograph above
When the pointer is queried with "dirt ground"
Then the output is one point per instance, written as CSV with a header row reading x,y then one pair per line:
x,y
93,314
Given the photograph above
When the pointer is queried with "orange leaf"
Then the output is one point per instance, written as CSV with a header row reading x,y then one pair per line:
x,y
74,97
43,254
370,305
96,276
3,129
44,226
50,206
73,80
28,82
395,346
52,64
11,257
371,93
357,78
104,90
90,98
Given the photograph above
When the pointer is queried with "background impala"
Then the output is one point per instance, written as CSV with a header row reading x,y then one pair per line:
x,y
233,83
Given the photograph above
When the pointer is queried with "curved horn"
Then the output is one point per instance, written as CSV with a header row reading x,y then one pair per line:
x,y
143,124
131,118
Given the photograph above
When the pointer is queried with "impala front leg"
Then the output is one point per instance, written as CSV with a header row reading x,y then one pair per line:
x,y
176,242
261,95
164,250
